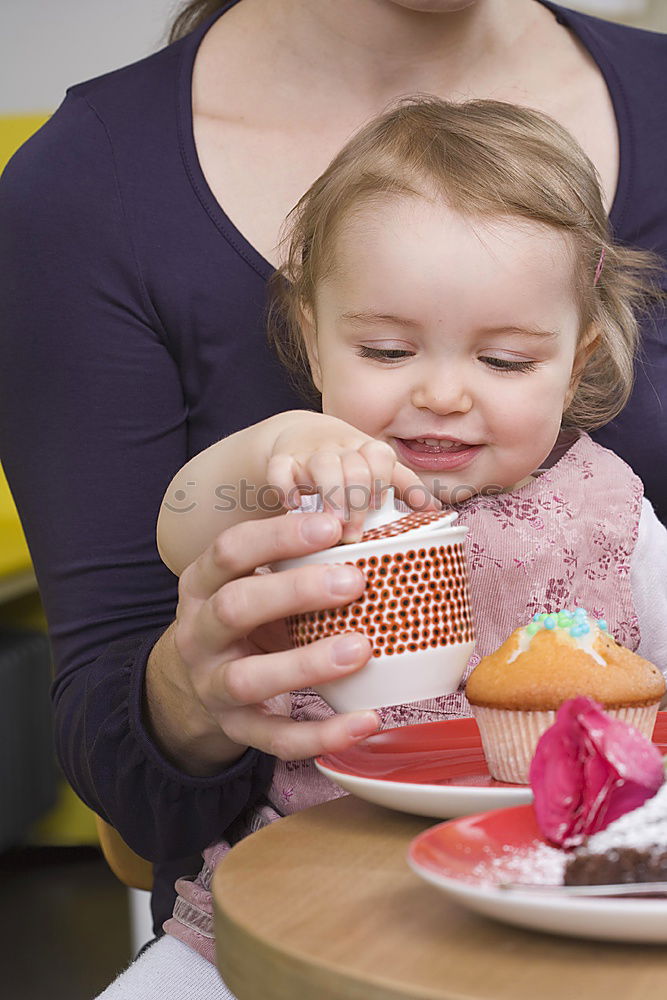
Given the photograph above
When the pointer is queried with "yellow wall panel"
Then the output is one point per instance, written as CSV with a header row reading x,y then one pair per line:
x,y
14,555
15,129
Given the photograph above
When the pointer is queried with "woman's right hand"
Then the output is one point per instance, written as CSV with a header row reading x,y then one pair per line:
x,y
211,676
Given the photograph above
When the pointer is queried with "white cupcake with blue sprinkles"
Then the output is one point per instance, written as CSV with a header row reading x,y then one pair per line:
x,y
516,691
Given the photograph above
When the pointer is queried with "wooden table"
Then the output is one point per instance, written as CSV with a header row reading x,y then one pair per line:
x,y
322,906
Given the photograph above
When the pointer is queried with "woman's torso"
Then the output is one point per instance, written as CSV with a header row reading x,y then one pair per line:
x,y
261,145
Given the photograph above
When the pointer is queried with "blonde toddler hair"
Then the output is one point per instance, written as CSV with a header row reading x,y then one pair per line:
x,y
484,159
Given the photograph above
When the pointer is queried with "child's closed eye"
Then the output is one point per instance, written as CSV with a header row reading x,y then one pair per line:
x,y
384,353
388,355
504,365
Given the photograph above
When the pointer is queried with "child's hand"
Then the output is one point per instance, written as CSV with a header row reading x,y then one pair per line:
x,y
317,453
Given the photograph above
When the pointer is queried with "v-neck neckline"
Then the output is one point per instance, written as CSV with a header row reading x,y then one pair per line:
x,y
573,21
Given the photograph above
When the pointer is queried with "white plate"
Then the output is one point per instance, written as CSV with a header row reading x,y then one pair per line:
x,y
465,857
434,769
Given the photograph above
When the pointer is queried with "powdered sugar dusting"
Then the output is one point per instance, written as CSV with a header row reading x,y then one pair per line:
x,y
535,863
643,828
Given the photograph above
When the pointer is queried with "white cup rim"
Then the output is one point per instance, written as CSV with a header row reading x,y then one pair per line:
x,y
422,537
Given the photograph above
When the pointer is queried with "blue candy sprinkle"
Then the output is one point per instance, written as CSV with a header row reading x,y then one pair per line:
x,y
576,622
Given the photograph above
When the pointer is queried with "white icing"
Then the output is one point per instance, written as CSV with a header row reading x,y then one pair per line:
x,y
585,642
523,644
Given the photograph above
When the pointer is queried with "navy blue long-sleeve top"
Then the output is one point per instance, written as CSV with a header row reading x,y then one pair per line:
x,y
133,336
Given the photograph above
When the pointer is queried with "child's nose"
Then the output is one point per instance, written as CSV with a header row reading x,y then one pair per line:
x,y
443,390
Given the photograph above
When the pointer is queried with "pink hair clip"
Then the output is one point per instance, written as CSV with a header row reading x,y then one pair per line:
x,y
598,269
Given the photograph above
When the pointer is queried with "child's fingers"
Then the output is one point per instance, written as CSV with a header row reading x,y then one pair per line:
x,y
381,458
412,490
280,474
358,493
325,470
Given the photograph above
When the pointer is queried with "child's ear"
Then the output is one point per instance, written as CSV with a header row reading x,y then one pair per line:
x,y
309,334
586,347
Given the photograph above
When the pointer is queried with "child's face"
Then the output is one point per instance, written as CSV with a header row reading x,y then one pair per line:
x,y
435,325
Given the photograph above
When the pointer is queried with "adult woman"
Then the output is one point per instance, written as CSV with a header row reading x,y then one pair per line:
x,y
135,339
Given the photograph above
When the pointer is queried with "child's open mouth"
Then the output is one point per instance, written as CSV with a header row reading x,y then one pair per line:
x,y
435,455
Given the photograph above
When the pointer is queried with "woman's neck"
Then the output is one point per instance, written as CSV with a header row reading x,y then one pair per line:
x,y
376,49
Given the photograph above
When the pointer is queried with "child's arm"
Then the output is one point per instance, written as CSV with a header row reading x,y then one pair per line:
x,y
207,495
260,471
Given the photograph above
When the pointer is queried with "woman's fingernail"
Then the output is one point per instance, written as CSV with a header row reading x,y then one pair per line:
x,y
362,725
342,580
318,531
348,649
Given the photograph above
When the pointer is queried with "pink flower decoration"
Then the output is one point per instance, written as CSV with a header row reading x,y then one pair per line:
x,y
588,770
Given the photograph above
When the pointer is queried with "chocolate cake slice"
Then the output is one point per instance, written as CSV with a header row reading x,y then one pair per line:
x,y
631,849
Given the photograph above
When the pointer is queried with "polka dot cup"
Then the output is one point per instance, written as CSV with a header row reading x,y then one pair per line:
x,y
415,611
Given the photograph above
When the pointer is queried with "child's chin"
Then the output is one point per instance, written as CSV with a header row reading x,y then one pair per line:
x,y
452,495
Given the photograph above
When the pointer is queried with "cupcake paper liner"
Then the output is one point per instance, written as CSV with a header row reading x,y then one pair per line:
x,y
510,737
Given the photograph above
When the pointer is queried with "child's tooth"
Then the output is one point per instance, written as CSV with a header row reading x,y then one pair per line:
x,y
435,443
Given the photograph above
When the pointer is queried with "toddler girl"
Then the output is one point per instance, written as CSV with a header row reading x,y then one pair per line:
x,y
453,297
